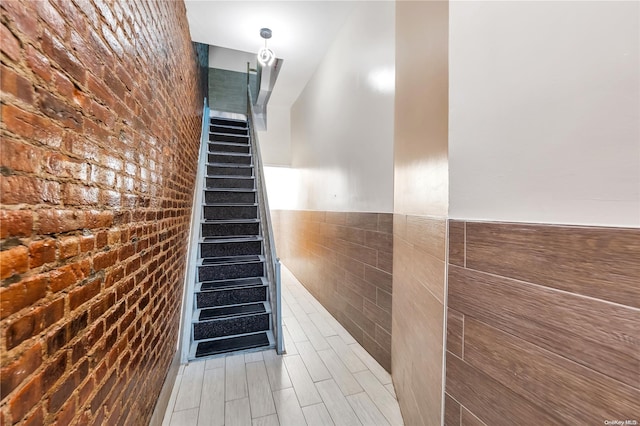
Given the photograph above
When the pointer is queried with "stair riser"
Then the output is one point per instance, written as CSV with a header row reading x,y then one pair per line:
x,y
229,138
226,272
229,159
230,249
212,299
229,327
228,130
218,147
220,229
227,122
230,183
229,197
229,171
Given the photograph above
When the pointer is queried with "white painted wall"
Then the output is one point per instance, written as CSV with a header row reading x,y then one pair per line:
x,y
275,142
545,112
230,59
342,123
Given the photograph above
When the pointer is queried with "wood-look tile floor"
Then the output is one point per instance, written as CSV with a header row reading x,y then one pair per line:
x,y
325,378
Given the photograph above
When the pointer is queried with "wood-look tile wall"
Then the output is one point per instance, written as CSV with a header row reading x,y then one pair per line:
x,y
345,260
418,316
543,324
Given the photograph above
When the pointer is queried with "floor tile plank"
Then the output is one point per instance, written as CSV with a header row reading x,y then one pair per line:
x,y
337,405
312,361
317,415
366,410
235,378
184,417
212,399
190,387
271,420
237,413
380,396
259,391
342,376
302,383
288,408
350,359
276,371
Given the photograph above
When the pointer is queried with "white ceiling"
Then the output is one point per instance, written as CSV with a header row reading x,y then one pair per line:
x,y
302,33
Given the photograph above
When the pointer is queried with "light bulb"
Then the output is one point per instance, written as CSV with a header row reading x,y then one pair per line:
x,y
266,57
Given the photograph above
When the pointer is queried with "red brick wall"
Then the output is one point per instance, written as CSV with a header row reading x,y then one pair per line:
x,y
101,115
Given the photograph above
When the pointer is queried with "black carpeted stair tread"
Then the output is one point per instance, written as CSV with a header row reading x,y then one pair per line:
x,y
228,122
227,147
227,221
228,130
231,326
231,165
225,284
221,137
231,295
230,228
231,196
229,344
231,211
236,247
229,171
229,182
221,189
230,238
231,311
232,158
232,260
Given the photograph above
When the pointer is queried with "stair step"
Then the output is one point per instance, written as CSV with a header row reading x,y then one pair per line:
x,y
228,147
227,247
246,182
213,286
229,170
229,130
223,137
250,323
230,158
231,292
231,344
229,196
231,311
228,122
231,211
213,269
223,228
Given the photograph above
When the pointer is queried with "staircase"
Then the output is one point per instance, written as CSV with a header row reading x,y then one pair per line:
x,y
231,295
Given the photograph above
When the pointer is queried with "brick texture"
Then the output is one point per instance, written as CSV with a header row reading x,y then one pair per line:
x,y
345,260
101,117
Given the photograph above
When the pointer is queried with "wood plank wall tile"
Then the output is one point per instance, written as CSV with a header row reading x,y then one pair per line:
x,y
456,242
597,262
468,419
490,400
452,415
455,327
575,393
418,319
345,260
594,333
550,323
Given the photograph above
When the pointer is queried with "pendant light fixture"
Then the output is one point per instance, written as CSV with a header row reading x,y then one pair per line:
x,y
265,55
